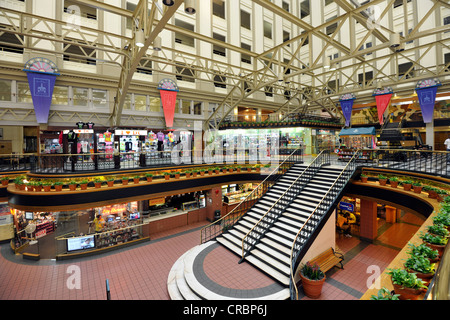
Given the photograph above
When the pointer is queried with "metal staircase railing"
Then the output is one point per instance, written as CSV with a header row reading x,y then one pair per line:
x,y
216,228
268,219
313,221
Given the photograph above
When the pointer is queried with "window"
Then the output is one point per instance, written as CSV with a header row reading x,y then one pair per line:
x,y
127,102
145,67
182,38
246,21
80,96
140,102
304,9
198,108
60,95
219,8
286,37
76,52
184,73
268,91
155,104
267,30
399,3
245,57
327,2
5,90
86,11
10,42
23,93
446,20
186,107
220,81
365,78
403,70
99,98
219,50
285,6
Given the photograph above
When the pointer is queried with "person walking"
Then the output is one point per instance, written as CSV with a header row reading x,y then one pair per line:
x,y
447,146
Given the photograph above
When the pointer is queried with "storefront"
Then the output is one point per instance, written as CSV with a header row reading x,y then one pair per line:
x,y
130,143
355,139
324,139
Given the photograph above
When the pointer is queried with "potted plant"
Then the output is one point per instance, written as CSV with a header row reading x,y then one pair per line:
x,y
224,169
258,167
97,183
72,185
125,180
393,182
30,186
442,219
407,184
188,174
434,242
424,251
5,180
149,177
195,173
110,181
382,180
417,186
384,294
17,182
177,174
364,178
438,230
136,179
202,172
249,169
432,192
84,184
38,186
216,170
238,169
406,284
166,175
441,194
210,171
47,186
58,185
421,266
312,280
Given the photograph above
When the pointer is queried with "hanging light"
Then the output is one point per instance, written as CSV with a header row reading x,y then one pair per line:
x,y
327,63
280,77
395,40
189,6
169,3
139,38
157,44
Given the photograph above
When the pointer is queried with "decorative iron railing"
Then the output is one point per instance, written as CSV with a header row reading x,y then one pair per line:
x,y
284,200
216,228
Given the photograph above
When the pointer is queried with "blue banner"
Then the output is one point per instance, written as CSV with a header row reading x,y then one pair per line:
x,y
41,87
347,108
346,206
427,99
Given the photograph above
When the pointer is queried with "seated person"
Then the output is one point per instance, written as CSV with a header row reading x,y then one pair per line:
x,y
342,224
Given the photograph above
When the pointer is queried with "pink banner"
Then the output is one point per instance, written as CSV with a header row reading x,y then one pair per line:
x,y
383,101
168,99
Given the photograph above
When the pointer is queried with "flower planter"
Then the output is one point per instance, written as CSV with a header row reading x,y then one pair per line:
x,y
167,177
238,170
194,174
38,188
136,180
72,187
5,182
149,179
394,184
432,194
177,176
425,277
217,171
312,288
83,186
210,172
58,187
47,188
124,182
202,173
439,247
22,187
249,169
188,175
408,293
364,179
97,185
407,186
417,189
30,188
382,182
224,170
110,183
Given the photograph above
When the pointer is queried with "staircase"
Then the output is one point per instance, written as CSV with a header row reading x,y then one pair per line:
x,y
272,253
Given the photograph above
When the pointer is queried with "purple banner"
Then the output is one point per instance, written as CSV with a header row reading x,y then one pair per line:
x,y
347,108
427,99
41,87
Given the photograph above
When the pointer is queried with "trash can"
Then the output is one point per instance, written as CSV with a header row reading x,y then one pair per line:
x,y
216,215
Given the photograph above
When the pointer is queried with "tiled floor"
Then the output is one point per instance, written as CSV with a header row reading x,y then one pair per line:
x,y
140,272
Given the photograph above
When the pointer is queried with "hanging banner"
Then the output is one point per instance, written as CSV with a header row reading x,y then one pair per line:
x,y
347,106
426,93
41,75
168,90
383,98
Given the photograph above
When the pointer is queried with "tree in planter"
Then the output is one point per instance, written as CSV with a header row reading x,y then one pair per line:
x,y
407,285
312,280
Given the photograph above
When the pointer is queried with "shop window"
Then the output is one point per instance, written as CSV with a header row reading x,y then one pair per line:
x,y
80,96
140,102
219,8
5,90
23,93
99,98
186,107
60,95
155,104
127,102
10,42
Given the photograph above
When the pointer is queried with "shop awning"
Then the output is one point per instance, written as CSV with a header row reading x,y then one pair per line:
x,y
358,131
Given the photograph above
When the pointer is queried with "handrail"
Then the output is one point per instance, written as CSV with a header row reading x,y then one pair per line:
x,y
249,195
318,158
292,283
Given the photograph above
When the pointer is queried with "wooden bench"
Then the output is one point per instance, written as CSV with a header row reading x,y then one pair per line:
x,y
328,259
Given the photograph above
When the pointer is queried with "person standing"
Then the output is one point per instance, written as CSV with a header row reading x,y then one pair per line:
x,y
447,146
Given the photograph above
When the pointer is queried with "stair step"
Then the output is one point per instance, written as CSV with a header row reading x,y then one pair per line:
x,y
281,268
277,246
284,259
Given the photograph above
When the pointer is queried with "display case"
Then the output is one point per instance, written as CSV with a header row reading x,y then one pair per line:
x,y
192,205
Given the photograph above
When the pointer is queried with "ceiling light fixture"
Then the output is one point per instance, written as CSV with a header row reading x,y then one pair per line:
x,y
190,6
169,3
139,38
